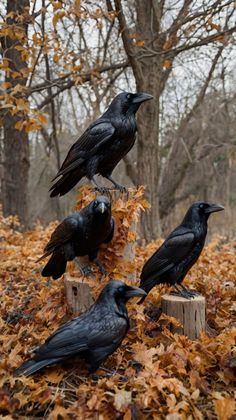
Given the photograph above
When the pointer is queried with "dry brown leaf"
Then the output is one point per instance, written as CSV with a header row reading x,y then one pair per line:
x,y
224,408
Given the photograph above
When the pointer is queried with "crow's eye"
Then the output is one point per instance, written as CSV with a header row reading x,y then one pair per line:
x,y
201,206
128,96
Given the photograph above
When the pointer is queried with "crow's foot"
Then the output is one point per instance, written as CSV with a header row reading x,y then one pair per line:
x,y
100,266
190,292
85,271
121,188
182,293
103,190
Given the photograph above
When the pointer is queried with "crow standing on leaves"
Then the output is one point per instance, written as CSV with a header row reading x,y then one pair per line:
x,y
93,336
102,145
79,234
171,262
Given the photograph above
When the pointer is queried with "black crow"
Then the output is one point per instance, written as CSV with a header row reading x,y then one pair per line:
x,y
79,234
171,262
102,145
93,336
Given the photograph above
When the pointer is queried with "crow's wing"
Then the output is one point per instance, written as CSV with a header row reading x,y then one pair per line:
x,y
111,233
95,137
87,332
175,248
63,233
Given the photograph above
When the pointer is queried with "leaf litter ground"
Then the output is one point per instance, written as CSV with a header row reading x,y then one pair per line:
x,y
158,375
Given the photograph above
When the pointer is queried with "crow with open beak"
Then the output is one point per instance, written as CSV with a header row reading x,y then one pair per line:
x,y
92,336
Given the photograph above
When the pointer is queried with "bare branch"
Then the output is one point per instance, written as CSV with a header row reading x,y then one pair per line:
x,y
85,77
127,40
182,162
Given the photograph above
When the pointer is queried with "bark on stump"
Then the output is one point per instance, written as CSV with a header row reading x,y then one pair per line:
x,y
78,294
191,313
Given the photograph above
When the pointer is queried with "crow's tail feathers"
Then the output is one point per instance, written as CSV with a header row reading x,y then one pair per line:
x,y
66,183
55,267
147,285
32,366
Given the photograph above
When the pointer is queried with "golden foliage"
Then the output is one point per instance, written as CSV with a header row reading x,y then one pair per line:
x,y
158,375
167,64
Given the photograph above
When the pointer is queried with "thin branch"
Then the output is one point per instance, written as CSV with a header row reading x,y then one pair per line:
x,y
126,41
207,40
85,77
167,190
203,90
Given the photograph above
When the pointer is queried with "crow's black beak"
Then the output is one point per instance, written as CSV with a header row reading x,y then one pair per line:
x,y
133,291
141,97
214,208
101,207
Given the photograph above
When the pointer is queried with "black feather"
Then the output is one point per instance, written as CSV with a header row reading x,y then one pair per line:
x,y
102,145
93,336
172,261
55,267
79,234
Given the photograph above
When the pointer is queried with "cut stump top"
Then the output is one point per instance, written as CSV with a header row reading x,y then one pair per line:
x,y
175,298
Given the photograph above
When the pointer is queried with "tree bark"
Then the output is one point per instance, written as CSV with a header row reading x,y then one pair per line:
x,y
151,50
78,294
191,314
15,142
148,157
150,77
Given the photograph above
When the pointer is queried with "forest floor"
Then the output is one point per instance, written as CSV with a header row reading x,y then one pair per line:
x,y
159,375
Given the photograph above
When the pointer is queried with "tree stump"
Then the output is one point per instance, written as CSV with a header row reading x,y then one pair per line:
x,y
78,294
191,313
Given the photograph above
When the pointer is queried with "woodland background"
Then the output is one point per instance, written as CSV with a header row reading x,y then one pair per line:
x,y
62,62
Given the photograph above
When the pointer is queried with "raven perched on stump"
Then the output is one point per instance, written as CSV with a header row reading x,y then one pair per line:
x,y
92,336
79,234
102,145
171,262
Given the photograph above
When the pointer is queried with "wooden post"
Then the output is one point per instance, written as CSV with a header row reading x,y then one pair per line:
x,y
190,312
78,294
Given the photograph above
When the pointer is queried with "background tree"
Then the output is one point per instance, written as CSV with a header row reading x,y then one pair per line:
x,y
40,72
15,142
77,56
160,33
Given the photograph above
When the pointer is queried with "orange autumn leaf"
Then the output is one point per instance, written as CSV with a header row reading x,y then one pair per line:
x,y
224,408
155,372
167,64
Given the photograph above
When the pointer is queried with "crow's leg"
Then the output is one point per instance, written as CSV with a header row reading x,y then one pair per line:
x,y
102,190
100,266
109,371
191,293
85,271
181,293
119,187
109,374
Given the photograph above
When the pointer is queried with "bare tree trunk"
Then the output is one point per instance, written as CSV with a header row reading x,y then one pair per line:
x,y
15,142
148,157
151,50
150,78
